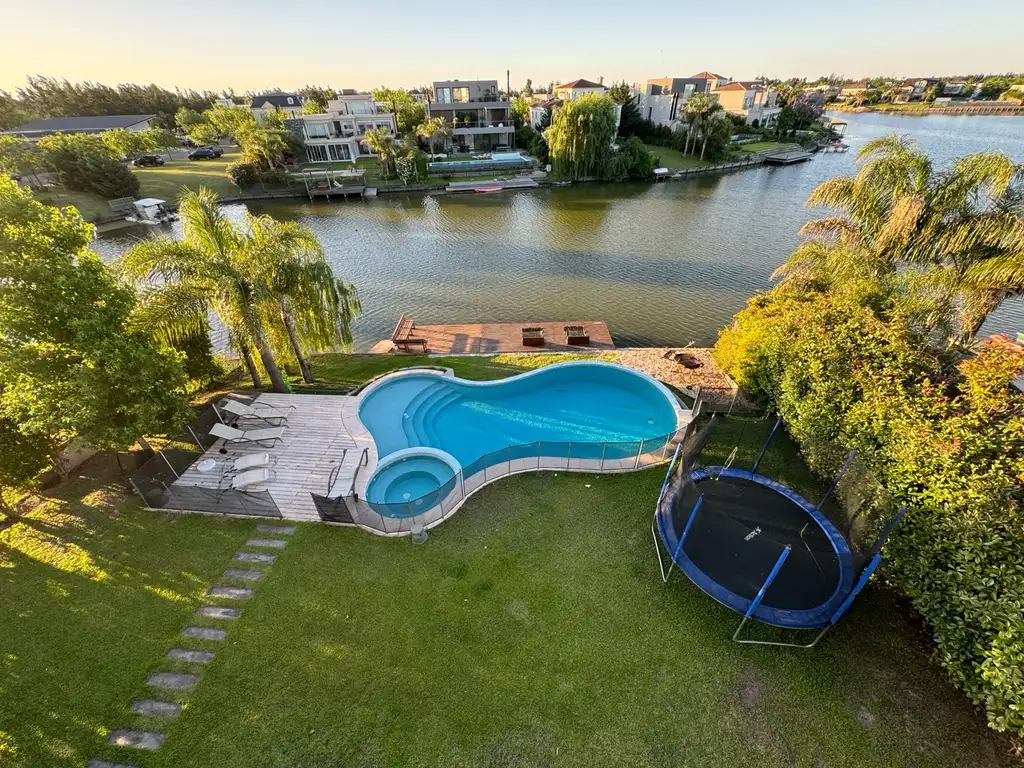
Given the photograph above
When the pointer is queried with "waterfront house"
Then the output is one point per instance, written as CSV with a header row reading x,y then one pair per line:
x,y
479,116
713,80
575,89
542,109
750,100
663,99
914,89
336,135
288,103
852,89
92,124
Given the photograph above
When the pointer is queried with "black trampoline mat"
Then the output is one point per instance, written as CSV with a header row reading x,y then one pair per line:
x,y
740,531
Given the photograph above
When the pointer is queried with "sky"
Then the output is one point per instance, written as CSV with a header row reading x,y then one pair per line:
x,y
263,44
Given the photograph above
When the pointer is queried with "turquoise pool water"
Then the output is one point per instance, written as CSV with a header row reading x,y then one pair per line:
x,y
586,403
408,479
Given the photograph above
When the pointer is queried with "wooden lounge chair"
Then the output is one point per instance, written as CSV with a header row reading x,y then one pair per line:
x,y
402,337
258,436
533,337
576,335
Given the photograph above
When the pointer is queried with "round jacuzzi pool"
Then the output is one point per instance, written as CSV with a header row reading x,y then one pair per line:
x,y
405,482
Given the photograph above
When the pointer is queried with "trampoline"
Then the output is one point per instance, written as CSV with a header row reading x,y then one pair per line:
x,y
757,546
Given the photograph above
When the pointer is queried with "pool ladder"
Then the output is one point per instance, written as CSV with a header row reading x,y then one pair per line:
x,y
335,471
364,459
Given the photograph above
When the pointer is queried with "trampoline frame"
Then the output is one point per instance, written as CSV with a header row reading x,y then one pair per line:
x,y
851,590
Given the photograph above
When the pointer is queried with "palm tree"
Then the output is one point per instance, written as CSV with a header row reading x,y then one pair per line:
x,y
699,109
433,129
209,269
311,304
382,141
961,228
712,121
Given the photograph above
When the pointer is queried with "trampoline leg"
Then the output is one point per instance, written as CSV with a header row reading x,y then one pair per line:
x,y
812,644
657,549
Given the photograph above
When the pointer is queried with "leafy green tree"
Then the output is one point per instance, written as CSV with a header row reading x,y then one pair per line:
x,y
47,96
382,141
69,362
214,267
528,88
409,115
520,111
186,119
229,121
22,458
84,163
18,156
433,130
580,138
264,146
129,144
700,110
164,138
204,133
808,107
316,99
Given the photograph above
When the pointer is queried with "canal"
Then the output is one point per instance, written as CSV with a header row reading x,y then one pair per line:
x,y
663,264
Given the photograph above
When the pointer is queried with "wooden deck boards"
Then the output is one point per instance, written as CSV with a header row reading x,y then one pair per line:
x,y
495,338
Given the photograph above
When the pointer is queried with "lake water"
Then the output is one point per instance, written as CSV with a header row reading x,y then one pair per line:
x,y
663,264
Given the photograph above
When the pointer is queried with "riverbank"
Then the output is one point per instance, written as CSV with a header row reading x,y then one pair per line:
x,y
987,108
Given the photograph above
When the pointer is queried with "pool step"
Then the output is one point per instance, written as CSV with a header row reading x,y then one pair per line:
x,y
413,408
417,431
429,416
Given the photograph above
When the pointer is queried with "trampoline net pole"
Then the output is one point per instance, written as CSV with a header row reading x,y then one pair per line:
x,y
886,532
753,470
764,588
842,471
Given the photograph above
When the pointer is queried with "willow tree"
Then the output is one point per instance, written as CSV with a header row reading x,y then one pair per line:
x,y
581,135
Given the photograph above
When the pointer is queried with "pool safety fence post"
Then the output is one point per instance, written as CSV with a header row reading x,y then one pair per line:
x,y
639,452
849,459
538,454
568,455
508,450
604,448
735,394
767,442
760,595
168,462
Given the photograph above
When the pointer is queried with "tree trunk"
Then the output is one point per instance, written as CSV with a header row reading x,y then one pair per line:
x,y
703,146
293,339
250,366
277,383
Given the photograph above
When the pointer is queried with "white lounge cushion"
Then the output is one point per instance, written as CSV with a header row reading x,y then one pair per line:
x,y
241,409
252,477
250,435
252,461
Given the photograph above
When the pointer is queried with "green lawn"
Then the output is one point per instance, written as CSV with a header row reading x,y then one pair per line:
x,y
759,146
671,158
531,630
90,206
166,181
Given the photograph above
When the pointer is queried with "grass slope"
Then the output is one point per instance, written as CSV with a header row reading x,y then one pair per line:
x,y
672,158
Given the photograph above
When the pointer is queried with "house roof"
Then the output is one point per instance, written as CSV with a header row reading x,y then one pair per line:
x,y
550,103
733,87
710,76
581,83
277,100
855,86
349,92
88,124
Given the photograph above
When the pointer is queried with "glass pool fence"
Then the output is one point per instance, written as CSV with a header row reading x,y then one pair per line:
x,y
436,505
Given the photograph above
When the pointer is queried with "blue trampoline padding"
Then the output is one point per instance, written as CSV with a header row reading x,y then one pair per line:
x,y
810,618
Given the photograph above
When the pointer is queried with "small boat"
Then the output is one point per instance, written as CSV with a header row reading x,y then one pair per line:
x,y
488,189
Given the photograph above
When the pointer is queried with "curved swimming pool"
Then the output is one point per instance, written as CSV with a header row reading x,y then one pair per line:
x,y
582,402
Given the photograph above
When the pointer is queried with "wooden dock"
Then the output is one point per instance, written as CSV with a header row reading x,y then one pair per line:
x,y
788,158
491,186
495,338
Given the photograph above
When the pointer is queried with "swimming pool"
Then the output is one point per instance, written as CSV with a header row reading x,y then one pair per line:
x,y
496,158
586,408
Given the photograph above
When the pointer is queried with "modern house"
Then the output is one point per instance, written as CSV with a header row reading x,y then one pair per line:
x,y
750,100
288,103
714,80
914,89
91,124
479,117
336,135
663,99
575,89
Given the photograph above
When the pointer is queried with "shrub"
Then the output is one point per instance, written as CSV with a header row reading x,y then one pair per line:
x,y
949,441
245,175
85,164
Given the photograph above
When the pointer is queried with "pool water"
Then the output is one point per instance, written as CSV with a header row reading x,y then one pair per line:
x,y
408,479
581,402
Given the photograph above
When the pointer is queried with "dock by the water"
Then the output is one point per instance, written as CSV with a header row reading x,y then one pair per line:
x,y
788,158
495,338
495,185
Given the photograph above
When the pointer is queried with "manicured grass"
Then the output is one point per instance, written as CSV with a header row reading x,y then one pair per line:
x,y
671,158
343,370
90,206
93,591
759,146
166,181
533,630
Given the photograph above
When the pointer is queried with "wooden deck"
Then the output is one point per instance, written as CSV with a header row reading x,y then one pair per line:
x,y
494,338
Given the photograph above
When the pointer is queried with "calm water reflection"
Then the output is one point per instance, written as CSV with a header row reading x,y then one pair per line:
x,y
662,264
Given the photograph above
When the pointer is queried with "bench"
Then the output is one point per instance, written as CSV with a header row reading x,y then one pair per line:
x,y
576,334
533,337
402,337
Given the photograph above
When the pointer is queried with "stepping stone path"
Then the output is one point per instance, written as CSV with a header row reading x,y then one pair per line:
x,y
238,573
156,708
179,681
232,593
255,557
137,739
206,633
217,612
185,654
269,543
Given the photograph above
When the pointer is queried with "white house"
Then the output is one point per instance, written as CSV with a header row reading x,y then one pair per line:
x,y
336,135
290,104
575,89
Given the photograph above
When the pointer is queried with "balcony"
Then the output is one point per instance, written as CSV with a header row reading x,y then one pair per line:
x,y
463,128
437,106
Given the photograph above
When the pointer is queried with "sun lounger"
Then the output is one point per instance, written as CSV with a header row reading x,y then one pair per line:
x,y
265,413
258,436
252,477
252,461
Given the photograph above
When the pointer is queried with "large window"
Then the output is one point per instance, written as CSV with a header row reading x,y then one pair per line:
x,y
460,95
444,95
361,108
316,153
318,131
339,152
362,128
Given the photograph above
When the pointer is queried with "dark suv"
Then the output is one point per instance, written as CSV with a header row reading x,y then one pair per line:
x,y
148,160
205,153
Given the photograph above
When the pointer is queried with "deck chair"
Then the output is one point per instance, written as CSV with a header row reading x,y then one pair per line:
x,y
237,408
258,436
252,477
252,461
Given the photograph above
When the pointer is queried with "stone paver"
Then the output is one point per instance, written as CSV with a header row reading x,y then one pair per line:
x,y
176,680
232,593
218,612
269,543
281,530
186,654
206,633
138,739
239,573
254,557
106,764
156,708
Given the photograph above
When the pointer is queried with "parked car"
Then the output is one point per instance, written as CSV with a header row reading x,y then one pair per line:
x,y
204,153
216,150
148,160
187,142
